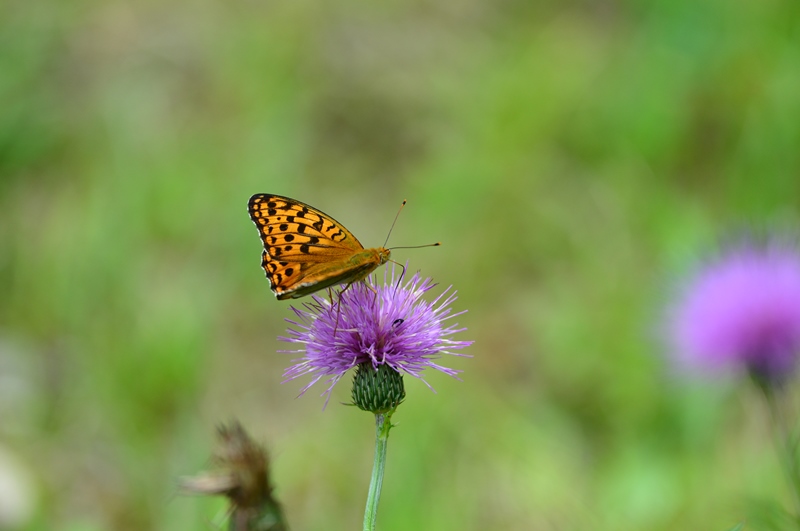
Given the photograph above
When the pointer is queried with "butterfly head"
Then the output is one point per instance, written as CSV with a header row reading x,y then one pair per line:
x,y
384,254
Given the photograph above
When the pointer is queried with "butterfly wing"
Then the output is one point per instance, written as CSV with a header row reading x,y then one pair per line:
x,y
305,250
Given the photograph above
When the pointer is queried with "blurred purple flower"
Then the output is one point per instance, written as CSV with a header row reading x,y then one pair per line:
x,y
742,311
396,327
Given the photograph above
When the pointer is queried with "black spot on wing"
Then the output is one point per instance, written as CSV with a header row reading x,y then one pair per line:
x,y
338,236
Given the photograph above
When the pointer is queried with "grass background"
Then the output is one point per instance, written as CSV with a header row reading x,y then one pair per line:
x,y
575,158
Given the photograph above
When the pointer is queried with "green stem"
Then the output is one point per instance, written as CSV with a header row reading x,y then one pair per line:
x,y
382,426
786,446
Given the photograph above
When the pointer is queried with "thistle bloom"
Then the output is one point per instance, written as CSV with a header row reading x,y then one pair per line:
x,y
392,326
742,311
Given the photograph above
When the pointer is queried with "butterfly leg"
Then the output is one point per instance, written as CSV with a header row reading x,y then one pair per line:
x,y
400,278
402,274
342,293
336,324
375,292
339,307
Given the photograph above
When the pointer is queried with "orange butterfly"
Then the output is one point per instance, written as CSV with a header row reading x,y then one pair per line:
x,y
306,250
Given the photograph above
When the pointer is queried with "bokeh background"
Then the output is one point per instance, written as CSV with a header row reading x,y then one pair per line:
x,y
575,158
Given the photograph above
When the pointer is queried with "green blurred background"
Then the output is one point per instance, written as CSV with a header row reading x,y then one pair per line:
x,y
574,158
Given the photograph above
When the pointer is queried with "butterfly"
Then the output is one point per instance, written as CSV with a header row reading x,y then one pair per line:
x,y
306,250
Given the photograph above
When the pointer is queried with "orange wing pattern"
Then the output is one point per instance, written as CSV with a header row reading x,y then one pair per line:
x,y
306,250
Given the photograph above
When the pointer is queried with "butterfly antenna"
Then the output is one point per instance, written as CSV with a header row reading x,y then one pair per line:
x,y
395,221
437,244
392,228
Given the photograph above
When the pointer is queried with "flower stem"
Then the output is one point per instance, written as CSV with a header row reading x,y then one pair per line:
x,y
786,446
382,426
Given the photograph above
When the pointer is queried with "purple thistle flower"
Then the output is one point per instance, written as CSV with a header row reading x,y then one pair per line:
x,y
742,311
396,327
